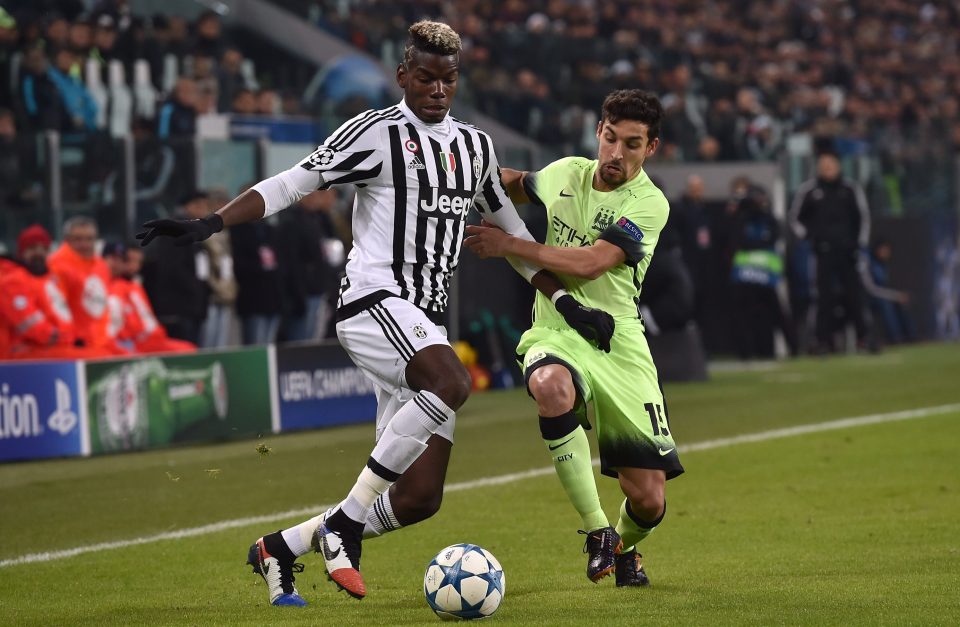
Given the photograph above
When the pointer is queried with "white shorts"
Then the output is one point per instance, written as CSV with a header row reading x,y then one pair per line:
x,y
381,340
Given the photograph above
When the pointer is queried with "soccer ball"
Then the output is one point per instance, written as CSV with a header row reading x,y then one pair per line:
x,y
464,582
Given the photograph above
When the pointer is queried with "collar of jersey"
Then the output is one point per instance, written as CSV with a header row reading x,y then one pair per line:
x,y
440,127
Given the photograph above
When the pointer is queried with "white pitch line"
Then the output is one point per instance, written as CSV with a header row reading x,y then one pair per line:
x,y
843,423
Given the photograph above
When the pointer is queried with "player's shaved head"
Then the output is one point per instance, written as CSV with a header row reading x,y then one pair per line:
x,y
433,38
637,105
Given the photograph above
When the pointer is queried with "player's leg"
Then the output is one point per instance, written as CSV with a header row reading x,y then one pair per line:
x,y
641,511
383,343
635,441
552,387
441,384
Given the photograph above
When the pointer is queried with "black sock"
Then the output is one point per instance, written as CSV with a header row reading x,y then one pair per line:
x,y
277,547
560,426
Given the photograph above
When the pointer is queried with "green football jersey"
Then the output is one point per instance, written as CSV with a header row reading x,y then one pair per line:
x,y
630,217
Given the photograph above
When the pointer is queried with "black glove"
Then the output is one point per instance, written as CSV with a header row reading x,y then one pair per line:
x,y
595,325
185,231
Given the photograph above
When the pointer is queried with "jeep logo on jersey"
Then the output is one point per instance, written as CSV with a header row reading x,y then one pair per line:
x,y
452,201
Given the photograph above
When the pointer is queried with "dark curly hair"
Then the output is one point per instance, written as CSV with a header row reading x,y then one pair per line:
x,y
634,104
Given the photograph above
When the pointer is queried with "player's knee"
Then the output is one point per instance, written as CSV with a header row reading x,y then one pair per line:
x,y
553,392
646,504
453,388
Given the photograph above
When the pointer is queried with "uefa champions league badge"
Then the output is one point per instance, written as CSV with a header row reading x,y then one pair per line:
x,y
322,156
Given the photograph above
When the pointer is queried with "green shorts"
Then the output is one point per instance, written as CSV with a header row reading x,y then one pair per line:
x,y
633,430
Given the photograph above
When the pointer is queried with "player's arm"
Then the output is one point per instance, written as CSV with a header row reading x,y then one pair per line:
x,y
496,207
263,199
513,182
338,162
585,262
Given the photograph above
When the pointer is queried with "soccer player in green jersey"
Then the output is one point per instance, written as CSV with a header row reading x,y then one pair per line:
x,y
604,216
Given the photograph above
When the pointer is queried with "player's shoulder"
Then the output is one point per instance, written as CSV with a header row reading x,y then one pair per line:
x,y
458,123
369,122
459,126
574,164
646,194
568,170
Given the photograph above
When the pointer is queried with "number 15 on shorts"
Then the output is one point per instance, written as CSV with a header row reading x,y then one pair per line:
x,y
658,420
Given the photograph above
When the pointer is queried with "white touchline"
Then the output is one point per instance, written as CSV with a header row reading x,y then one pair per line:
x,y
843,423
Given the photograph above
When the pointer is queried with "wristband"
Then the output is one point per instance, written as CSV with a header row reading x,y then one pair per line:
x,y
215,220
558,295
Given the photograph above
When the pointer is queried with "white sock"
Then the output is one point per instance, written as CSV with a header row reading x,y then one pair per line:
x,y
380,518
403,440
299,537
364,493
405,436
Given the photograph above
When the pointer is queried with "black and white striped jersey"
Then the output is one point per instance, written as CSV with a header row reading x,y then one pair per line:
x,y
415,184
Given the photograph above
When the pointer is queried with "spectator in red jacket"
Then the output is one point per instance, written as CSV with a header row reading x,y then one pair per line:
x,y
84,277
132,320
35,320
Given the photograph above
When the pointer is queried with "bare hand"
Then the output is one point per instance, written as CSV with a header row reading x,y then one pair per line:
x,y
487,241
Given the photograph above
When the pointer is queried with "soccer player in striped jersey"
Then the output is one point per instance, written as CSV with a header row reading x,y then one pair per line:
x,y
418,171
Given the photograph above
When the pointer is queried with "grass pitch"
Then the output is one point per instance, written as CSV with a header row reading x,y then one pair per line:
x,y
849,526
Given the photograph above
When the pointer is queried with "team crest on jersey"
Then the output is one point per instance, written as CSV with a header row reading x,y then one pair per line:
x,y
603,219
448,161
419,331
322,156
477,166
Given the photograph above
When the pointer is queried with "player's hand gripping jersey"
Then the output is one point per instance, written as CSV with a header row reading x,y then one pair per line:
x,y
630,217
415,184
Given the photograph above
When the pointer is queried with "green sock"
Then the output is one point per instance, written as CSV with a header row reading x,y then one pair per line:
x,y
632,530
570,450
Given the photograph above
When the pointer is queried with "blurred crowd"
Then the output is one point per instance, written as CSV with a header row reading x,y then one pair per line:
x,y
822,284
736,76
75,66
277,279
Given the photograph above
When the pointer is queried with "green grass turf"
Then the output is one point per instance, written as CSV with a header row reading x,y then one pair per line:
x,y
856,526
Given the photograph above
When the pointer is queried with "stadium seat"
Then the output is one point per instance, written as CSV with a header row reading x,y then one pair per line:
x,y
97,91
121,101
144,94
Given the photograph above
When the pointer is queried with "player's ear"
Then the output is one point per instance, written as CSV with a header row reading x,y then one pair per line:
x,y
652,147
402,76
599,128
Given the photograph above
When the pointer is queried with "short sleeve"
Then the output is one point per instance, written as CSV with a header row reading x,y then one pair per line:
x,y
637,228
543,185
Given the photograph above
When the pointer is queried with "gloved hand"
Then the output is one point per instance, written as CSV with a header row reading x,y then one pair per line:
x,y
185,231
595,325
